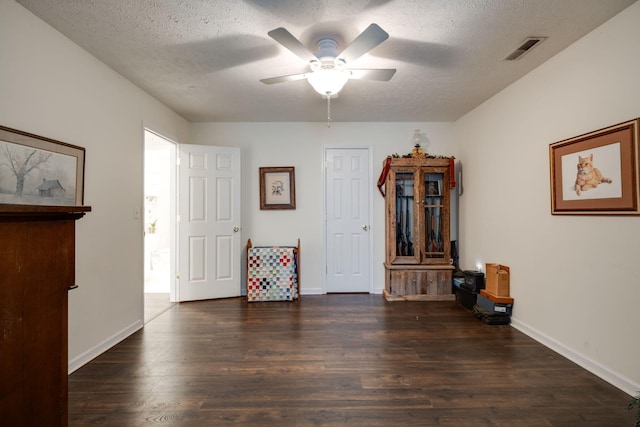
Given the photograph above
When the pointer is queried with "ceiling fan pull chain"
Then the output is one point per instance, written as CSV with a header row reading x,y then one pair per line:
x,y
328,109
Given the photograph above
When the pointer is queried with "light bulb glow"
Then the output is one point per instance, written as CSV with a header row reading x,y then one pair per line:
x,y
328,81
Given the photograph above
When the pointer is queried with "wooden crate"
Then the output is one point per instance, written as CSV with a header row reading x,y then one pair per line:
x,y
497,279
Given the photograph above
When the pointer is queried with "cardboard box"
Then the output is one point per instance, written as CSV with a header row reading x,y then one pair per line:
x,y
497,280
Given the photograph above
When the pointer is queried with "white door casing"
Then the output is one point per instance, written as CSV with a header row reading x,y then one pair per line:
x,y
347,219
209,222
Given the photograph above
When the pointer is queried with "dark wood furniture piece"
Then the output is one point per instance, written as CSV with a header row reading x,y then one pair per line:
x,y
418,249
37,265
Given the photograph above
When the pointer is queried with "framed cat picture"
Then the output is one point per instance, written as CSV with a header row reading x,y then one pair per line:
x,y
596,173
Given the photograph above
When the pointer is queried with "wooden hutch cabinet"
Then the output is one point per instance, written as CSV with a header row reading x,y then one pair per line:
x,y
37,264
418,249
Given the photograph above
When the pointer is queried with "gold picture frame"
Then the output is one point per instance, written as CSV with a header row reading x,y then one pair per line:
x,y
277,188
596,173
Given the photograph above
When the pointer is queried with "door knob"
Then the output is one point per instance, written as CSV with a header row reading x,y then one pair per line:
x,y
365,227
236,229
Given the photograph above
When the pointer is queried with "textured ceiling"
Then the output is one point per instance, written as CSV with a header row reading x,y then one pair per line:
x,y
205,58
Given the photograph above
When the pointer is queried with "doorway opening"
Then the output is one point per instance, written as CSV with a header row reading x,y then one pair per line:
x,y
159,224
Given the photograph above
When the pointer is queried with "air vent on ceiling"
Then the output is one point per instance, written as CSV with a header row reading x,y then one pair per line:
x,y
525,47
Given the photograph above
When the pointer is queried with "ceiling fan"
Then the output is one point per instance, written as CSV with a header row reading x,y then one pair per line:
x,y
329,69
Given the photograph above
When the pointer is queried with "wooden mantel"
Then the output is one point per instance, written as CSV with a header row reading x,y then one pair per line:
x,y
40,213
37,265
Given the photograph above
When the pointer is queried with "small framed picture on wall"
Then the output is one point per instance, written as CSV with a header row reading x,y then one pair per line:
x,y
277,188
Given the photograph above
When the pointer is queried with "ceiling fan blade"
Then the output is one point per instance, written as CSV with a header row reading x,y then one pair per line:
x,y
367,40
382,75
286,39
281,79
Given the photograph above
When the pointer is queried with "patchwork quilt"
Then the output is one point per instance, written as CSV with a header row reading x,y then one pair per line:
x,y
272,274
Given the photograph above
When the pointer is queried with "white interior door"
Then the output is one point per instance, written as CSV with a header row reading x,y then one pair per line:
x,y
209,225
347,201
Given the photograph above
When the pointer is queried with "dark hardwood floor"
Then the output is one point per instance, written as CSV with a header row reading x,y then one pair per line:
x,y
336,360
155,304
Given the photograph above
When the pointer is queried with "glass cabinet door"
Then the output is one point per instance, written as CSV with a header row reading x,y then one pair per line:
x,y
404,221
434,220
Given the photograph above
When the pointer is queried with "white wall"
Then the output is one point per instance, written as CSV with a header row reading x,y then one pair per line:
x,y
574,278
51,87
301,145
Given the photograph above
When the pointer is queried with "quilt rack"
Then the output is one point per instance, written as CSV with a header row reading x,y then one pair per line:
x,y
273,273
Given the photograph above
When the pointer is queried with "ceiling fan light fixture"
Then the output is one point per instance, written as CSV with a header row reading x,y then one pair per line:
x,y
328,81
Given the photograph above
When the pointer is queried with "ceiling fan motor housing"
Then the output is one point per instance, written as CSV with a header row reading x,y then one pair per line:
x,y
327,54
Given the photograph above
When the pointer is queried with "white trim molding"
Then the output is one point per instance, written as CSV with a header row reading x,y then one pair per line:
x,y
595,368
105,345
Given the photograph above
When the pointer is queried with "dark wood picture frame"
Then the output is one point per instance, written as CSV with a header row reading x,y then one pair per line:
x,y
596,173
39,171
277,188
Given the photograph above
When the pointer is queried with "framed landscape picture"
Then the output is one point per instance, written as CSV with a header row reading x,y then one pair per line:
x,y
35,170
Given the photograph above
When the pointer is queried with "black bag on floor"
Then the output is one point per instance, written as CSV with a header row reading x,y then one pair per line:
x,y
491,318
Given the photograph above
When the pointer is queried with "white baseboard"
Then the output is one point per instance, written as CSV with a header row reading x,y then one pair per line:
x,y
319,291
595,368
105,345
